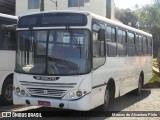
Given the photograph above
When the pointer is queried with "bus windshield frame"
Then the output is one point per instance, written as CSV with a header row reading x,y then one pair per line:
x,y
58,52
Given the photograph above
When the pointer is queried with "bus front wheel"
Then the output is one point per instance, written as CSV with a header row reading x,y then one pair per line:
x,y
105,106
7,96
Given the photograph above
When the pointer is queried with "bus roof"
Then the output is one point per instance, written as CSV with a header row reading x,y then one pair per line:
x,y
119,24
97,17
8,16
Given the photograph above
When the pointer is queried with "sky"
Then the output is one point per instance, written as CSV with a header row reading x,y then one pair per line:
x,y
131,3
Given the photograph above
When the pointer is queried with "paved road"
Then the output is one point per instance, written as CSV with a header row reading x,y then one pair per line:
x,y
148,101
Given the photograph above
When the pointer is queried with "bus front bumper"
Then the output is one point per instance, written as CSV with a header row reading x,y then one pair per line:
x,y
82,104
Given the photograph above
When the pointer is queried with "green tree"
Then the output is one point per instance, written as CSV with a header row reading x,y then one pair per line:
x,y
149,21
126,16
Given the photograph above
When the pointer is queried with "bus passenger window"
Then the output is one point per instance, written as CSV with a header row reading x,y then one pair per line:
x,y
8,37
145,44
122,44
138,42
131,44
150,46
111,49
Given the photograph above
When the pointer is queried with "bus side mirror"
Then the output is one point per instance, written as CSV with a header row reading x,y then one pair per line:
x,y
101,35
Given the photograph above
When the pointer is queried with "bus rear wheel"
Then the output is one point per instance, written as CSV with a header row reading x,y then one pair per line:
x,y
7,96
138,91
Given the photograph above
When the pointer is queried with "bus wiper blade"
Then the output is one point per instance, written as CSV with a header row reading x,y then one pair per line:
x,y
78,45
74,38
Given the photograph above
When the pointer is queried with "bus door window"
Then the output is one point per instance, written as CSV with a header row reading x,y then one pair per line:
x,y
98,46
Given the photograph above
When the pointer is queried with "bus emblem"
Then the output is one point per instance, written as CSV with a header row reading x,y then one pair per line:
x,y
45,92
45,78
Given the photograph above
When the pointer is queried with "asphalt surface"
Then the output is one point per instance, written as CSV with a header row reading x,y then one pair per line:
x,y
148,105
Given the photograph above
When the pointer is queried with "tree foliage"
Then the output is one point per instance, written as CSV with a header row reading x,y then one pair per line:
x,y
126,16
146,18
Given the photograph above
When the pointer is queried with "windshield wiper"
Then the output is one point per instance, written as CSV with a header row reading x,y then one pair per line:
x,y
78,45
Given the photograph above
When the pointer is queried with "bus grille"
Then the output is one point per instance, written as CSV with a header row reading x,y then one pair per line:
x,y
54,90
41,92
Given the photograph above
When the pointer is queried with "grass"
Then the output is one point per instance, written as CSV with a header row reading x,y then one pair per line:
x,y
155,78
155,63
155,81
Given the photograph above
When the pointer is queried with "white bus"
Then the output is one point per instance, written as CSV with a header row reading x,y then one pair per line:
x,y
78,60
7,56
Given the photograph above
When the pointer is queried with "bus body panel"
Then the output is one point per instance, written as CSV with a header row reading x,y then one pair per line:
x,y
82,82
82,104
3,76
7,48
124,71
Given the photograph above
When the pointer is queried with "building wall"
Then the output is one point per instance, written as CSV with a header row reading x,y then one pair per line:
x,y
95,6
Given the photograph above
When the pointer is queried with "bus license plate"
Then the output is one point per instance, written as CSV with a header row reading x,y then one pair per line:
x,y
44,103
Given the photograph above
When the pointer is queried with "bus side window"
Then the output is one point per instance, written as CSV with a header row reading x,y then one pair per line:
x,y
122,43
8,37
138,41
145,44
150,46
12,40
131,44
98,46
111,42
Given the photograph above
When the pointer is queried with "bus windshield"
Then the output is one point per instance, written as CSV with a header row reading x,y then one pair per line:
x,y
53,52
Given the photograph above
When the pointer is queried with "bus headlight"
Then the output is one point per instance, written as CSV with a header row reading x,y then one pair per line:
x,y
77,94
17,89
23,92
72,95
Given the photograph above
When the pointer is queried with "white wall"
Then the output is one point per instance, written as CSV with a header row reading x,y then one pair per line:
x,y
96,6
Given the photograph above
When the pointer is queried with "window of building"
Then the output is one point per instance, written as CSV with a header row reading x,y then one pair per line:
x,y
78,3
33,4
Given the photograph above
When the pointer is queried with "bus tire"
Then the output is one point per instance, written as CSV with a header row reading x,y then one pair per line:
x,y
107,97
138,91
7,89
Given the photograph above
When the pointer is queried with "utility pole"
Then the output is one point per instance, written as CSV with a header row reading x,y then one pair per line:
x,y
42,5
108,8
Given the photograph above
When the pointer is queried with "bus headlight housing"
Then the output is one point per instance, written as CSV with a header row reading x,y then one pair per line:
x,y
21,91
77,94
